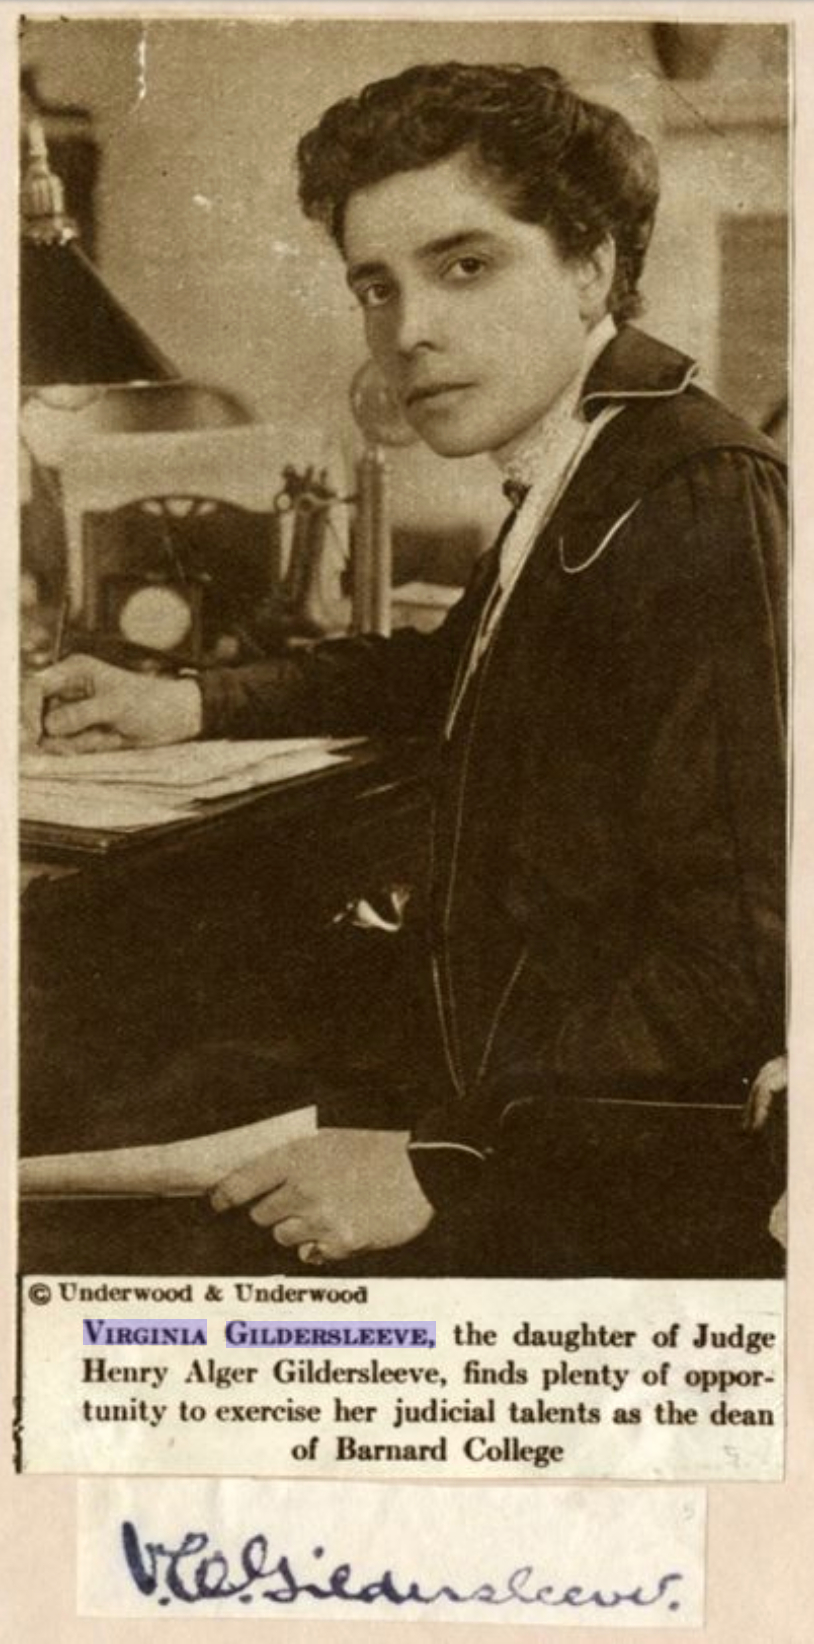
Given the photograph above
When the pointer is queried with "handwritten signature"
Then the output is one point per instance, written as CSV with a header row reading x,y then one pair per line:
x,y
196,1570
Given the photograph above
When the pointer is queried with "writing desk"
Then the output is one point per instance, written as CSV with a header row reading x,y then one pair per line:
x,y
223,929
391,766
211,927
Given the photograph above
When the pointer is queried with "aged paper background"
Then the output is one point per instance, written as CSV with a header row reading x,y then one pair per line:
x,y
760,1580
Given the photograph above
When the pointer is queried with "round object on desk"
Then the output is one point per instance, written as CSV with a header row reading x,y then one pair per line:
x,y
155,616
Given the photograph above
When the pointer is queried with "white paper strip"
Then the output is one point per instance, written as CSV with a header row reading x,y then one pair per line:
x,y
192,1166
548,1557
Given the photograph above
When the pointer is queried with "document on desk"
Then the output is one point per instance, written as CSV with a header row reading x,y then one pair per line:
x,y
145,787
171,1169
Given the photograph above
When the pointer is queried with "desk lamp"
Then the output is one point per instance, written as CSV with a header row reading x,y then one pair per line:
x,y
72,329
85,366
77,342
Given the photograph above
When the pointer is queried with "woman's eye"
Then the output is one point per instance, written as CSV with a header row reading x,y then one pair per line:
x,y
466,268
375,294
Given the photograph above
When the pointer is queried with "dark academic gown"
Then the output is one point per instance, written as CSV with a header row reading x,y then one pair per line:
x,y
607,885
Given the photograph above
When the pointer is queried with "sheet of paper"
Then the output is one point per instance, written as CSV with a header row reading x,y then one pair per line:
x,y
88,805
105,791
187,1167
178,765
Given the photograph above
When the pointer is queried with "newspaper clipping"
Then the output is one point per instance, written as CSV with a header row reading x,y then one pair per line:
x,y
403,410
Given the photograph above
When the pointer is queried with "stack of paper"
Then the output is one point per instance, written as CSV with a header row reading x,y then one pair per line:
x,y
145,787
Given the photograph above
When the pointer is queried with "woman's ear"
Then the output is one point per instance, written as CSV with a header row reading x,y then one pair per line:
x,y
596,273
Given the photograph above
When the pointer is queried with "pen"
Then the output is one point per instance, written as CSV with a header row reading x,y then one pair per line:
x,y
153,1194
59,631
34,713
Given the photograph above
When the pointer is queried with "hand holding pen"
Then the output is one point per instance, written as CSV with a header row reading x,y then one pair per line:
x,y
84,705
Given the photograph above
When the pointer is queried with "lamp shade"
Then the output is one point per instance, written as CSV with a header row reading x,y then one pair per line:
x,y
72,328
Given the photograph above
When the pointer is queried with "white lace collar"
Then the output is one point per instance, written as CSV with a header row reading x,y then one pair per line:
x,y
528,458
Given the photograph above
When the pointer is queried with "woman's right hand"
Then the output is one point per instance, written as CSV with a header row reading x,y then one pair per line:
x,y
84,705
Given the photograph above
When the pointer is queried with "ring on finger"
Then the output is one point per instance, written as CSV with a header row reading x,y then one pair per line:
x,y
312,1253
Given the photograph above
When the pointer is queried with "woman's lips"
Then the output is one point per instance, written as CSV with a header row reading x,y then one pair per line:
x,y
436,393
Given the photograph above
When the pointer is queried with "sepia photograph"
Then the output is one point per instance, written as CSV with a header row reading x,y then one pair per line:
x,y
403,427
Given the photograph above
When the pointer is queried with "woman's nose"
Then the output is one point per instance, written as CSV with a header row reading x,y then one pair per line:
x,y
418,322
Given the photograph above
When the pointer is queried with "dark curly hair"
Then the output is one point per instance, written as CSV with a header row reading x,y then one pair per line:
x,y
576,168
